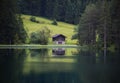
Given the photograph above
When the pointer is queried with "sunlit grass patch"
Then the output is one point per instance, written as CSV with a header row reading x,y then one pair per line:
x,y
62,28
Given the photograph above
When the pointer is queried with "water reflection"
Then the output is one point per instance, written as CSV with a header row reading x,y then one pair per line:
x,y
39,66
42,60
11,65
58,51
95,67
39,52
52,77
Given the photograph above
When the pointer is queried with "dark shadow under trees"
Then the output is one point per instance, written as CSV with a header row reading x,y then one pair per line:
x,y
12,30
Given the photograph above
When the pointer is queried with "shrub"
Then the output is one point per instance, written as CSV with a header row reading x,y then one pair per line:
x,y
75,36
33,19
54,22
40,37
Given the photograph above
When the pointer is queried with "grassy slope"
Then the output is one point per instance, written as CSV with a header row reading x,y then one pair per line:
x,y
61,28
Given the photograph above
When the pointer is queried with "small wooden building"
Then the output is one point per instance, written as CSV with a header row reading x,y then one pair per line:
x,y
58,39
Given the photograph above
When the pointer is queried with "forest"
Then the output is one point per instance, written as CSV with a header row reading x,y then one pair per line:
x,y
62,10
97,21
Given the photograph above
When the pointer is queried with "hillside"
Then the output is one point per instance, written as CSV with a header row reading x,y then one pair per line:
x,y
61,28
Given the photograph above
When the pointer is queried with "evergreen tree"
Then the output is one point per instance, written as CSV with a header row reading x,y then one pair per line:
x,y
62,10
95,25
88,25
115,13
50,8
104,24
12,30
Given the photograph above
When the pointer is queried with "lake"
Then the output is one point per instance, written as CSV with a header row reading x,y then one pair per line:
x,y
58,65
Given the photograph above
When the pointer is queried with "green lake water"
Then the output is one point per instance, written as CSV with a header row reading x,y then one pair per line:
x,y
58,65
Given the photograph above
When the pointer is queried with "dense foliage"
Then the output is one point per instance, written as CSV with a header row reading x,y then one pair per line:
x,y
62,10
12,31
40,37
99,24
33,19
115,16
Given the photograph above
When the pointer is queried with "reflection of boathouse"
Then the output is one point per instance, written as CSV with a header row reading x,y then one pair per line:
x,y
58,51
59,39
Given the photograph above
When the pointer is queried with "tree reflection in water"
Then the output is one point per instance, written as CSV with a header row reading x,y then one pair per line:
x,y
11,65
85,67
95,67
40,54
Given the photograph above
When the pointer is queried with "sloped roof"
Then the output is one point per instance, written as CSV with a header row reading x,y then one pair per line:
x,y
57,35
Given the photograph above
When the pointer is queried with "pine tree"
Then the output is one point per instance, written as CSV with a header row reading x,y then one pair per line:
x,y
115,13
62,10
88,25
11,23
104,24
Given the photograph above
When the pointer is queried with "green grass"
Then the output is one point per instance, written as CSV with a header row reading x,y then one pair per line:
x,y
62,28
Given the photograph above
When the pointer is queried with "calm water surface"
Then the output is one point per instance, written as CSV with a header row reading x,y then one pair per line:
x,y
58,65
